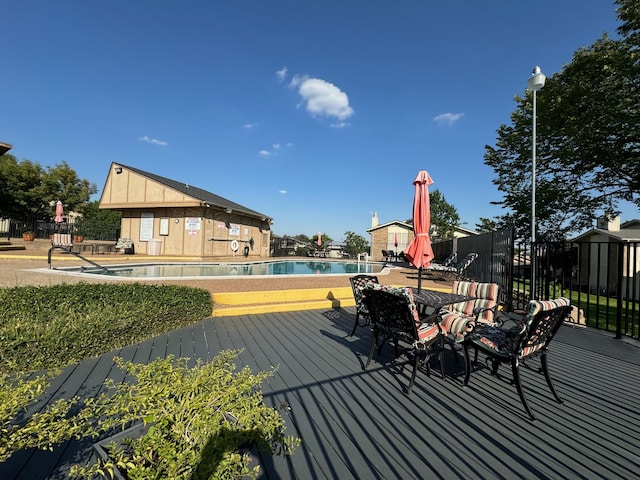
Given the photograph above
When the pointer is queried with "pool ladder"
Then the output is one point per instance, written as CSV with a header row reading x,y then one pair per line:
x,y
67,249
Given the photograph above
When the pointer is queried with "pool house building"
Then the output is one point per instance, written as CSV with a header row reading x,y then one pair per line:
x,y
166,217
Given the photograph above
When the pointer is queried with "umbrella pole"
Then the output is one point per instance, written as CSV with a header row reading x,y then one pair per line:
x,y
419,279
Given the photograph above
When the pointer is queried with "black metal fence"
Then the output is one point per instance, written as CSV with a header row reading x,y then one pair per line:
x,y
13,228
94,230
602,279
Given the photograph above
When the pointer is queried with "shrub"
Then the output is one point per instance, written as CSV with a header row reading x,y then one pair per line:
x,y
199,418
40,430
54,326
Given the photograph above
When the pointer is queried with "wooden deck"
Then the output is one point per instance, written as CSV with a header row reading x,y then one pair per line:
x,y
361,424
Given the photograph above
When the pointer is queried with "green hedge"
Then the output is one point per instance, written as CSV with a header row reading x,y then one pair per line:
x,y
51,327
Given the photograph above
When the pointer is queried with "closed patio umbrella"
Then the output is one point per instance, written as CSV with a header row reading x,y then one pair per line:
x,y
59,212
419,251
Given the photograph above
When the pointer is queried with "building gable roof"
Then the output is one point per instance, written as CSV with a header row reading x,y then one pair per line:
x,y
624,234
205,197
404,225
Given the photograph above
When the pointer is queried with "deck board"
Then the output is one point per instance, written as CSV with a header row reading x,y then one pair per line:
x,y
361,424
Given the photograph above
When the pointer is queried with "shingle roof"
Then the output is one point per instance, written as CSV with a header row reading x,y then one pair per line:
x,y
627,234
198,193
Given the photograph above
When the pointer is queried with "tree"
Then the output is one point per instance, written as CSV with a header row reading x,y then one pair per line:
x,y
98,224
486,225
62,183
588,143
29,191
355,244
629,13
444,216
19,188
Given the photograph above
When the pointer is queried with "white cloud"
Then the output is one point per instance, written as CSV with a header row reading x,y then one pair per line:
x,y
323,99
264,153
281,74
289,144
276,146
448,119
249,125
152,140
283,192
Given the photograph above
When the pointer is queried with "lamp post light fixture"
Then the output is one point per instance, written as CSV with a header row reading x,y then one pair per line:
x,y
535,83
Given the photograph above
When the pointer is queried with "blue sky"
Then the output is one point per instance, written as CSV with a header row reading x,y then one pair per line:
x,y
313,113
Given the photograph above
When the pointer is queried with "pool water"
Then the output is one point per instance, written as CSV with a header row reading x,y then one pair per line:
x,y
285,267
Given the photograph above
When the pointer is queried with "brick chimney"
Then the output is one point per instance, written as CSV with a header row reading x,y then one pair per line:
x,y
374,219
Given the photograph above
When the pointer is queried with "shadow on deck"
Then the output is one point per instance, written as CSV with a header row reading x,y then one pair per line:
x,y
357,424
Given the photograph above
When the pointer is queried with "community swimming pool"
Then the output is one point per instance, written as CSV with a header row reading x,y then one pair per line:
x,y
216,270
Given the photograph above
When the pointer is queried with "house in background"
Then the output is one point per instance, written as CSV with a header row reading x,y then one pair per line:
x,y
284,246
385,237
165,217
598,259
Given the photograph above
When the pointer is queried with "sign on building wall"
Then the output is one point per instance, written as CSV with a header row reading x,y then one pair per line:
x,y
234,230
193,224
146,226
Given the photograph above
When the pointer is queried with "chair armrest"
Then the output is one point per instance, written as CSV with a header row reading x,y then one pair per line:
x,y
510,321
479,310
433,317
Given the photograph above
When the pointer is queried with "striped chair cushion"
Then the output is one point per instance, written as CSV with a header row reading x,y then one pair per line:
x,y
535,307
428,331
486,295
461,317
501,340
456,325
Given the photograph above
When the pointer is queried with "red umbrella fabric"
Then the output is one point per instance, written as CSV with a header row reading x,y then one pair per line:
x,y
319,239
59,212
419,251
395,239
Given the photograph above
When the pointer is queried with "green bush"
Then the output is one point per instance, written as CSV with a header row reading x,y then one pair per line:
x,y
54,326
40,430
199,419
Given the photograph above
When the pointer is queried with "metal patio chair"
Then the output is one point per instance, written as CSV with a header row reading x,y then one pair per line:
x,y
357,285
518,340
394,316
457,270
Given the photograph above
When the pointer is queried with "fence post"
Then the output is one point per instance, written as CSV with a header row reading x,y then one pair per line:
x,y
619,290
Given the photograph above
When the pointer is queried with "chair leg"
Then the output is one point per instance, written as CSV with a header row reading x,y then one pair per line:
x,y
416,362
374,335
495,364
545,370
355,325
467,363
396,344
516,379
426,360
441,355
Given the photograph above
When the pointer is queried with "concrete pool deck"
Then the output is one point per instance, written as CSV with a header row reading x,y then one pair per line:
x,y
232,296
